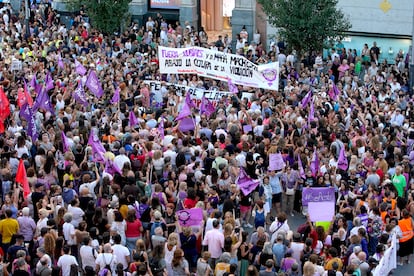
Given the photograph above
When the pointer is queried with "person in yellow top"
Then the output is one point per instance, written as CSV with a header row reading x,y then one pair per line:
x,y
333,258
8,227
406,225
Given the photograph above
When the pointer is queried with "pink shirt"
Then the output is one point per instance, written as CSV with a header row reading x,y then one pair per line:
x,y
215,241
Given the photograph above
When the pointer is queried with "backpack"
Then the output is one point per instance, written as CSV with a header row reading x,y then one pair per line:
x,y
156,268
68,195
306,255
154,225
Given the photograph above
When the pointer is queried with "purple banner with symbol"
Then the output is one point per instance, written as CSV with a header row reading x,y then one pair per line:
x,y
190,217
317,195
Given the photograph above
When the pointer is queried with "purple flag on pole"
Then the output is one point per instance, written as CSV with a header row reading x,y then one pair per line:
x,y
334,92
27,113
49,82
79,68
161,128
133,121
190,217
301,170
115,97
92,82
232,87
43,101
306,99
65,142
80,96
111,168
189,101
98,150
186,124
342,160
185,112
246,184
312,112
206,107
33,82
314,166
60,62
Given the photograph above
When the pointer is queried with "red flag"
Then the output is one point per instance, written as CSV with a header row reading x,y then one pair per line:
x,y
4,108
21,178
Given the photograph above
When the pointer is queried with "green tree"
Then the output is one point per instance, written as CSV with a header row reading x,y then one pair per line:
x,y
306,25
107,16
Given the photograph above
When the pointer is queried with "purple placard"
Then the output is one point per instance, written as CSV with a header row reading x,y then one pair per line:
x,y
317,195
247,128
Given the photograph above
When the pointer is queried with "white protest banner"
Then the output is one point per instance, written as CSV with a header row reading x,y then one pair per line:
x,y
388,262
276,162
321,211
195,93
218,65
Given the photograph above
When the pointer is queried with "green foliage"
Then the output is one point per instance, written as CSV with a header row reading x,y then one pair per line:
x,y
306,25
106,15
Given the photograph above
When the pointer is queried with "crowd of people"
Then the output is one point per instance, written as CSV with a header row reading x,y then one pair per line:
x,y
118,217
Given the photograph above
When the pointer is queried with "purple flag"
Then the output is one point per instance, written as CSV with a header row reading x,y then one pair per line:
x,y
33,82
185,112
49,82
314,166
161,128
312,112
206,107
111,168
342,160
65,142
79,68
27,113
60,62
232,87
98,150
186,124
190,217
246,184
43,101
306,99
189,101
133,121
92,82
115,97
80,96
334,92
317,195
301,170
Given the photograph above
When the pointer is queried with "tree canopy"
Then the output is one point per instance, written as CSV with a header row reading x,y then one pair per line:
x,y
106,15
306,25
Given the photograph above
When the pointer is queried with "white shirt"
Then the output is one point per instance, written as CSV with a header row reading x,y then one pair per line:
x,y
91,186
65,262
121,253
77,215
88,255
105,259
68,233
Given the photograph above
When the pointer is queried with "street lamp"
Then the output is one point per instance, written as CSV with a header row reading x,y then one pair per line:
x,y
27,17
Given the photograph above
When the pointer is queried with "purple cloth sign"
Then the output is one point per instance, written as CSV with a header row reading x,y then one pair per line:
x,y
317,195
190,217
321,211
247,128
186,124
276,162
246,184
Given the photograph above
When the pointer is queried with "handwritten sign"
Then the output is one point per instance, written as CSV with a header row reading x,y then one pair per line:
x,y
247,128
218,65
317,195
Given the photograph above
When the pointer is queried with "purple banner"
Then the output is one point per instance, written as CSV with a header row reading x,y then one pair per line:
x,y
317,195
190,217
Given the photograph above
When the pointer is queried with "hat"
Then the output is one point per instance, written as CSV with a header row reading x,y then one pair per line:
x,y
38,185
157,215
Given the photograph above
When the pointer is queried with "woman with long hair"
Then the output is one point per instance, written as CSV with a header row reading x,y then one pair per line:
x,y
169,249
180,265
133,230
